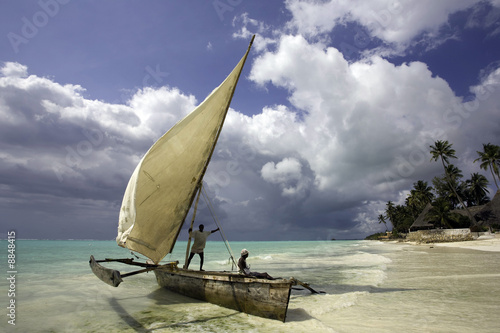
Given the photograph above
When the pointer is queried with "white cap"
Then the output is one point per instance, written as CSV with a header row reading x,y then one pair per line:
x,y
243,252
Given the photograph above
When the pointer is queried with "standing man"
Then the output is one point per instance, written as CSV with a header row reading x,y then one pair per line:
x,y
200,238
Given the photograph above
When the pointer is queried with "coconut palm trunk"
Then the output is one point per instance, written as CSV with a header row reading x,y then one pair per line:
x,y
443,149
493,175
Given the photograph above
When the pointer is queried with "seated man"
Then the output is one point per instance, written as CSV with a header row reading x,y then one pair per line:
x,y
245,269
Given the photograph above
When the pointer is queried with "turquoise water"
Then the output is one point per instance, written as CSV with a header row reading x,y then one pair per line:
x,y
369,287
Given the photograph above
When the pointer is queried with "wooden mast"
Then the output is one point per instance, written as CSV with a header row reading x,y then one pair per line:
x,y
191,227
200,180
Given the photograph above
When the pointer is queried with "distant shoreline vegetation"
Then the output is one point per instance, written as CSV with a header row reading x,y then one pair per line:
x,y
382,236
451,198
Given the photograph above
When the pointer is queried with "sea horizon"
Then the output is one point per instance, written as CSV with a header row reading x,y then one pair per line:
x,y
208,240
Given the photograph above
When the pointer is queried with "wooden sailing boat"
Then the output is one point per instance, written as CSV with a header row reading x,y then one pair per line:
x,y
156,203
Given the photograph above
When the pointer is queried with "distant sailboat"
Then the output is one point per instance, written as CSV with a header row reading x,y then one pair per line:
x,y
157,200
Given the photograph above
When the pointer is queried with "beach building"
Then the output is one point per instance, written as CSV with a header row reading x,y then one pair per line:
x,y
423,222
489,214
423,230
485,215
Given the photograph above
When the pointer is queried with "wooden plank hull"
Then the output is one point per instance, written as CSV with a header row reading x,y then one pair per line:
x,y
259,297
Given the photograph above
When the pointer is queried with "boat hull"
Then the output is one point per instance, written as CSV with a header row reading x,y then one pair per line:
x,y
259,297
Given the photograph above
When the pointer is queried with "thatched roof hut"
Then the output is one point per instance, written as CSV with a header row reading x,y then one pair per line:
x,y
490,213
422,222
486,215
474,210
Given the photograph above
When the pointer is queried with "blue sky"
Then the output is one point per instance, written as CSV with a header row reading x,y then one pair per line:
x,y
158,43
333,116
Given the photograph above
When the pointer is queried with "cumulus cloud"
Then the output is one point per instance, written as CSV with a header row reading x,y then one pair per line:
x,y
352,112
55,141
394,22
14,69
289,169
352,136
362,133
250,27
288,175
366,126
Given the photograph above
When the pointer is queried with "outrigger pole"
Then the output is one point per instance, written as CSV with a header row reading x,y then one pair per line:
x,y
114,277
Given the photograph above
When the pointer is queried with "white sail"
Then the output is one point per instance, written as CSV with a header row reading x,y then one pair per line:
x,y
162,188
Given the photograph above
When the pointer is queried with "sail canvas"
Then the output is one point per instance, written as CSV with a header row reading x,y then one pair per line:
x,y
162,188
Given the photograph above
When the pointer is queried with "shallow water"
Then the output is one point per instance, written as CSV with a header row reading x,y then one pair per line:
x,y
370,287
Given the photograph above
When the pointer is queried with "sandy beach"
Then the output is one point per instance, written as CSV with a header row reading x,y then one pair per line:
x,y
490,243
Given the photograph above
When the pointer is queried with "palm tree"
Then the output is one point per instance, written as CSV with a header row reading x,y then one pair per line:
x,y
441,187
404,218
419,197
477,186
456,188
422,192
440,213
390,213
454,173
443,150
412,203
490,158
381,219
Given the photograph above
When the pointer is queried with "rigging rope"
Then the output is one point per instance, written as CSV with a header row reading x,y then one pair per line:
x,y
212,211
